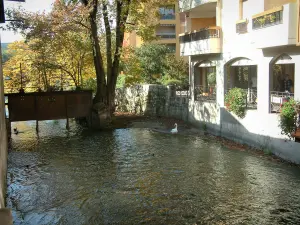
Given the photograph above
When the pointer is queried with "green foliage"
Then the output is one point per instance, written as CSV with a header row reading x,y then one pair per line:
x,y
235,101
152,61
171,82
5,54
154,64
267,151
211,78
90,84
121,81
175,72
288,113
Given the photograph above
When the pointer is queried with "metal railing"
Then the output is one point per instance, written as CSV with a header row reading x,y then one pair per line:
x,y
271,19
166,36
205,93
278,98
251,101
202,34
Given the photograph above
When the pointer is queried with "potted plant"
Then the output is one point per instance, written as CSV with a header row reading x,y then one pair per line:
x,y
288,117
235,101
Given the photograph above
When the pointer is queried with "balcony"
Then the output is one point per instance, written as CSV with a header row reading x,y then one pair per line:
x,y
186,5
205,41
275,27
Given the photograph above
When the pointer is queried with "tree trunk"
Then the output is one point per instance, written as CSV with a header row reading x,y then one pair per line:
x,y
100,96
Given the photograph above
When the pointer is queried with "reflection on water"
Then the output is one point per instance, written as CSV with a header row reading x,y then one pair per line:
x,y
134,176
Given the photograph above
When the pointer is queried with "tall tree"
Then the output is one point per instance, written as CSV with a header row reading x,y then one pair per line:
x,y
106,22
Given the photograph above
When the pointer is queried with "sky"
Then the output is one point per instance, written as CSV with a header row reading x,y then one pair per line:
x,y
29,5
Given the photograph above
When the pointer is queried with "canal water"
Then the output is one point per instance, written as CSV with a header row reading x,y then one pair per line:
x,y
134,176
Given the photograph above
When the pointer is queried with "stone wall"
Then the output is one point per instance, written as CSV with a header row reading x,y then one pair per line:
x,y
152,100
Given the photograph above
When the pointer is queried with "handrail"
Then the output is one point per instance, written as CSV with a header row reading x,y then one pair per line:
x,y
202,29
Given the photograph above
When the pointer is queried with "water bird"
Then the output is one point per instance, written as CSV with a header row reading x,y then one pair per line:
x,y
16,131
174,130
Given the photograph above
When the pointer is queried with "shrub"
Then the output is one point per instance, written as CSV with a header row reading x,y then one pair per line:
x,y
235,101
288,114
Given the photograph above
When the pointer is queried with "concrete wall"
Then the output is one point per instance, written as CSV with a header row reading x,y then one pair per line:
x,y
269,4
3,142
198,23
261,131
259,128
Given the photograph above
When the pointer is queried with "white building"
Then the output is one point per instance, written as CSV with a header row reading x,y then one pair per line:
x,y
250,44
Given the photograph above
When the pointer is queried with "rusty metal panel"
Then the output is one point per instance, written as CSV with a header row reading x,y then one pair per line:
x,y
79,104
51,107
21,107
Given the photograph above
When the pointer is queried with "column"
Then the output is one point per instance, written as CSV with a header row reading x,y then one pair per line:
x,y
297,80
263,85
221,79
219,14
188,25
192,79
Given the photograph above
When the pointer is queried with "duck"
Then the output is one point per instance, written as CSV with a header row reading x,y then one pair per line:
x,y
174,130
16,131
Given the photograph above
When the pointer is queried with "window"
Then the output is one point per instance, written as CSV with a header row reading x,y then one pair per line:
x,y
167,12
166,31
171,47
205,84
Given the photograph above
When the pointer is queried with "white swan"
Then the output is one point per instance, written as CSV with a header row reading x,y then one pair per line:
x,y
174,130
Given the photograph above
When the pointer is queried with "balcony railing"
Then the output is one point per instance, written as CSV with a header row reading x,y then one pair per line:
x,y
205,93
278,98
268,18
242,27
205,33
167,17
166,36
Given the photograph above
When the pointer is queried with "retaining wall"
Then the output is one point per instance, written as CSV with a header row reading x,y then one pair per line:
x,y
256,129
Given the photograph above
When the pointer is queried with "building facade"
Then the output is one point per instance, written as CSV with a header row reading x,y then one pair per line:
x,y
249,44
167,31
